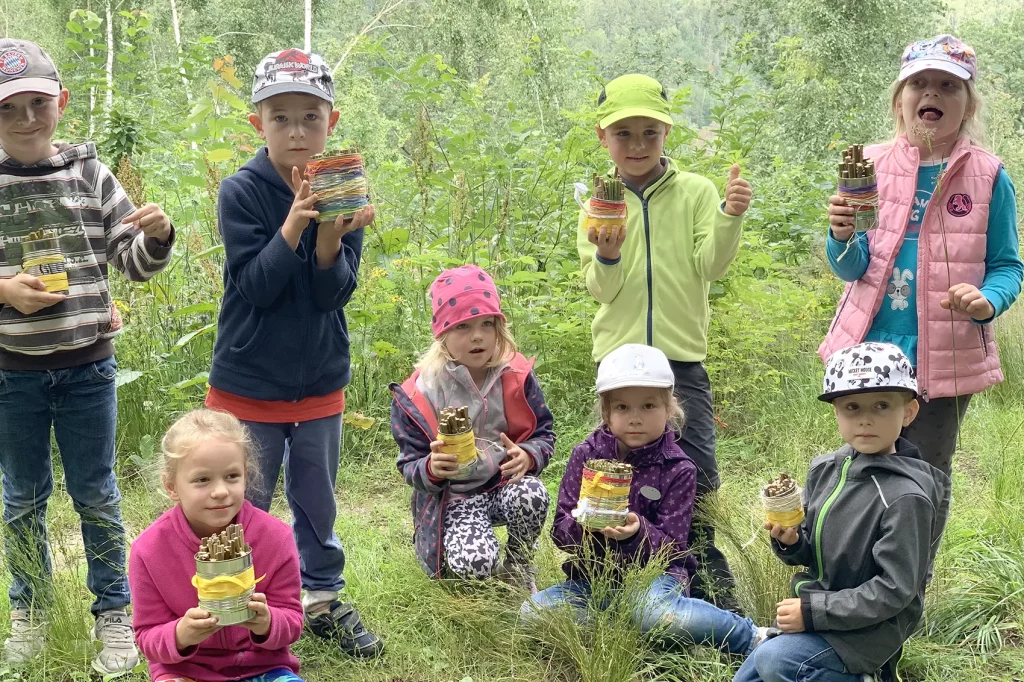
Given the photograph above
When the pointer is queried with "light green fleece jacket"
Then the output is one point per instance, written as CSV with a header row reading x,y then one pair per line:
x,y
678,241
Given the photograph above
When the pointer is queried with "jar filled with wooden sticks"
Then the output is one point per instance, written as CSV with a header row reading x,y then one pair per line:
x,y
455,428
604,494
224,576
858,187
781,501
607,206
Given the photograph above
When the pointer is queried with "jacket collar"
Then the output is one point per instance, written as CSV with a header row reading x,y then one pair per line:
x,y
655,453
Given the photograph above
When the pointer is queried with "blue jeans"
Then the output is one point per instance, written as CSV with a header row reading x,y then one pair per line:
x,y
309,453
80,403
802,657
664,610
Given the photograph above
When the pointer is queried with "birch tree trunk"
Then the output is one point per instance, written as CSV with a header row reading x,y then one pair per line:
x,y
308,28
109,102
177,41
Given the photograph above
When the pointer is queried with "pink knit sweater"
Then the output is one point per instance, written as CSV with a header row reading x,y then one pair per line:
x,y
160,570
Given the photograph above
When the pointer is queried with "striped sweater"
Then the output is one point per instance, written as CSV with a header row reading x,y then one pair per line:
x,y
75,196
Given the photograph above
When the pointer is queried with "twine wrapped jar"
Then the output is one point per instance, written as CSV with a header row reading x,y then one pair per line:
x,y
604,494
781,501
339,181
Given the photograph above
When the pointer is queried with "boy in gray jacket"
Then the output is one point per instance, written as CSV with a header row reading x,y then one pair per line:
x,y
874,514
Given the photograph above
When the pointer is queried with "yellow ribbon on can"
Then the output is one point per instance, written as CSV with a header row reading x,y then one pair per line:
x,y
462,445
787,519
226,586
597,488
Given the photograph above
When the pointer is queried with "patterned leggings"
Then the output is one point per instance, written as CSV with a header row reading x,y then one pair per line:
x,y
470,545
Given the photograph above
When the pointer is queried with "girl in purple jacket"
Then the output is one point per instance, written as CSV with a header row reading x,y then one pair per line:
x,y
639,413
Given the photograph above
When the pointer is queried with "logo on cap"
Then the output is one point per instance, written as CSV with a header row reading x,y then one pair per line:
x,y
13,62
290,61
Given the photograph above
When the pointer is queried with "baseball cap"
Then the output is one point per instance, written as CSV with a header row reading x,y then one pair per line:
x,y
633,95
943,52
868,368
292,70
25,67
634,364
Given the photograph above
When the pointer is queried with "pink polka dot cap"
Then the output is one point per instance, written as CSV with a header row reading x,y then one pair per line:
x,y
460,294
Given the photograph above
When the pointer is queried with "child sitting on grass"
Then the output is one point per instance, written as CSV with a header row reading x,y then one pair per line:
x,y
639,415
872,526
207,463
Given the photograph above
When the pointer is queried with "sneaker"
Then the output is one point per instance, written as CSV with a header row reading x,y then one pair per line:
x,y
28,635
517,575
112,635
763,635
343,625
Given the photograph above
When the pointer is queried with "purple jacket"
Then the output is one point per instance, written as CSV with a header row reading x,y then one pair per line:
x,y
662,494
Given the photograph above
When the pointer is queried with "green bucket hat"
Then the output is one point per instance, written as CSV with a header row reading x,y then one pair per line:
x,y
633,95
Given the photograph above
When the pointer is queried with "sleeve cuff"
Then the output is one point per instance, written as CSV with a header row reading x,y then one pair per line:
x,y
606,261
159,250
805,612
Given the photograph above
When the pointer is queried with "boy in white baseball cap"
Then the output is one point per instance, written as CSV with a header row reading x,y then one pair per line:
x,y
874,514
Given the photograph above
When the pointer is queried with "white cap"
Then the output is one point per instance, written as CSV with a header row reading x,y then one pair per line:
x,y
634,364
867,368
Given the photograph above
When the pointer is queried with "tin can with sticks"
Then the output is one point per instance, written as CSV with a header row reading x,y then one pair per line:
x,y
455,428
858,187
604,494
607,206
224,577
42,257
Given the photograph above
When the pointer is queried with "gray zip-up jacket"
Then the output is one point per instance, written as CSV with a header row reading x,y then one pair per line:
x,y
872,527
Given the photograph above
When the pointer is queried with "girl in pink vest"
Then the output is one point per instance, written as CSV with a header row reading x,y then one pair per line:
x,y
944,261
473,363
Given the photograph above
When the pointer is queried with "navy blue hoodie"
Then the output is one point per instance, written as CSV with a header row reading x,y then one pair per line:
x,y
282,332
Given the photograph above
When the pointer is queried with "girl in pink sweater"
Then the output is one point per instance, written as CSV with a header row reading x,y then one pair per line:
x,y
206,465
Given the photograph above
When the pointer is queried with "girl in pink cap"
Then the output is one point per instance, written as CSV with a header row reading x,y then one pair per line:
x,y
474,363
944,262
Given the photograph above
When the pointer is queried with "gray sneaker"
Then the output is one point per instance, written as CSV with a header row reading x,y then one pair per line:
x,y
517,575
112,635
28,635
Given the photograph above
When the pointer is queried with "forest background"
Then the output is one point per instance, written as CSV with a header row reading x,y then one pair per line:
x,y
474,117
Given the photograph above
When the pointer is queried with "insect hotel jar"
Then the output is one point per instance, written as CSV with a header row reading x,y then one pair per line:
x,y
781,502
455,428
339,181
604,494
607,206
42,257
224,576
859,187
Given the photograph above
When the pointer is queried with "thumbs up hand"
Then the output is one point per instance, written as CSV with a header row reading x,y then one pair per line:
x,y
737,193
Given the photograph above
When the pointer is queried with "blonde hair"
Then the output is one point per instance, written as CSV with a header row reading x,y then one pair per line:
x,y
971,127
201,425
676,416
433,361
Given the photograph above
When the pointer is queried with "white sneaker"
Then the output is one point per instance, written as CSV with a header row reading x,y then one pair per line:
x,y
113,630
28,635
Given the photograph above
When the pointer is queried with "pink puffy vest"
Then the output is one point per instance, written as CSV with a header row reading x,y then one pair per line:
x,y
959,209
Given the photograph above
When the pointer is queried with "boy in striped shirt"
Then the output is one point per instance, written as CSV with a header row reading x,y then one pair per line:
x,y
64,219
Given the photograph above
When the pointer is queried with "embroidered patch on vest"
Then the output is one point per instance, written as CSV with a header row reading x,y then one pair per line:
x,y
959,205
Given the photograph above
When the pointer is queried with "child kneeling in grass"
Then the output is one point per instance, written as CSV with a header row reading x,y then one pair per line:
x,y
874,516
639,415
208,460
